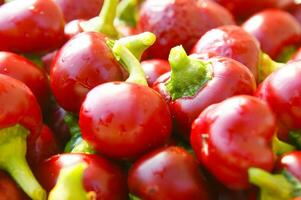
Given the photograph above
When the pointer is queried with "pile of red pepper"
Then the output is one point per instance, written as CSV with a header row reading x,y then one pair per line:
x,y
150,100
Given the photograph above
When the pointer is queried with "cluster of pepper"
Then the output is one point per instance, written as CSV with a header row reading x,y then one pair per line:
x,y
99,99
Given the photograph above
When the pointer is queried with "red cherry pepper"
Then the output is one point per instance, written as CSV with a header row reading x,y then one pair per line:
x,y
233,42
154,68
276,30
167,173
179,22
20,68
79,9
31,26
82,63
104,118
9,190
232,136
20,124
101,176
282,91
195,84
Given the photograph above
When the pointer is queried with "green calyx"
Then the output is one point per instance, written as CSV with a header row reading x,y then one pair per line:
x,y
13,146
127,12
104,23
128,52
280,147
266,67
76,144
69,185
188,75
272,187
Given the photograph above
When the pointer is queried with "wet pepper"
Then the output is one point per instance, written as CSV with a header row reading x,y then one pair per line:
x,y
194,84
20,123
228,137
31,26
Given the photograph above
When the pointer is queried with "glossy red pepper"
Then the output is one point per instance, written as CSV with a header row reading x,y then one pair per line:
x,y
83,62
35,78
154,68
104,178
228,138
9,190
282,91
47,60
106,124
233,42
44,147
275,29
31,26
20,124
167,173
79,9
227,78
179,22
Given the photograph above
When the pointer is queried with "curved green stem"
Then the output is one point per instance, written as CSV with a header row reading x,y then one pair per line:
x,y
13,146
267,66
104,23
131,64
272,187
280,147
82,146
69,185
137,44
188,74
127,12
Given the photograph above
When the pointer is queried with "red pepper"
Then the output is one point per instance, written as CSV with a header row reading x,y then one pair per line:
x,y
276,30
31,26
194,84
20,124
167,173
179,22
232,136
233,42
282,91
79,9
104,178
20,68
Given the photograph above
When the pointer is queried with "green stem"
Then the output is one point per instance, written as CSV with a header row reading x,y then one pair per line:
x,y
273,187
127,12
137,44
131,64
188,74
267,66
104,23
133,197
82,146
280,147
69,185
12,159
72,123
